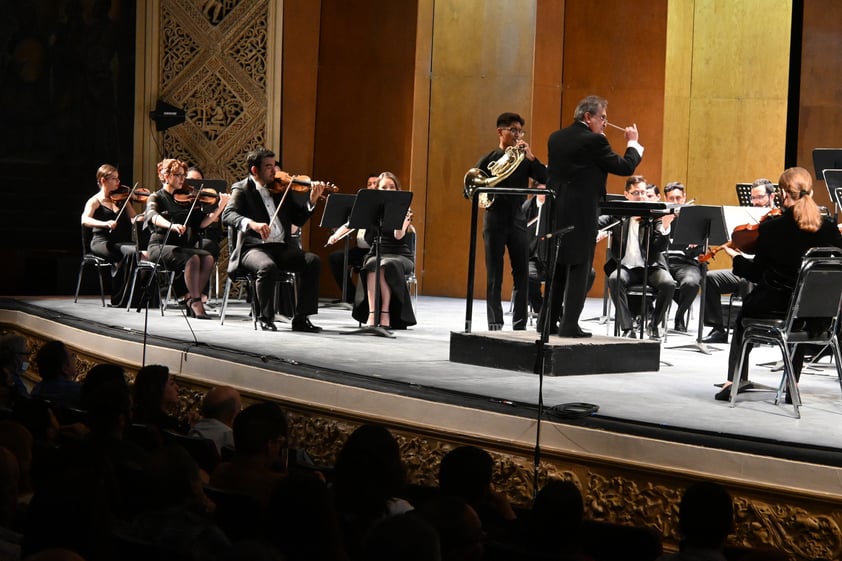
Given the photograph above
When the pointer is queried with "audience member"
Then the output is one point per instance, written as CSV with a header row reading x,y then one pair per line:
x,y
18,440
155,392
555,524
57,368
260,440
55,554
303,519
406,537
369,480
220,407
9,485
174,516
705,518
467,472
14,361
458,525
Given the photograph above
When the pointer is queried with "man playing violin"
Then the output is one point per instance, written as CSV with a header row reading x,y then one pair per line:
x,y
264,215
724,281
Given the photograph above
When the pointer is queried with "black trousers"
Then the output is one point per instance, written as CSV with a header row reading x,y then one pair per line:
x,y
499,236
268,261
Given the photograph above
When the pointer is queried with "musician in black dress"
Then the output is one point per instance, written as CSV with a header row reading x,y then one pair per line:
x,y
171,210
112,230
781,245
396,261
210,237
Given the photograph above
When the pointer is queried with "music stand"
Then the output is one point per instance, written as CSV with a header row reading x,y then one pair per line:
x,y
826,158
694,223
336,213
218,185
378,210
833,180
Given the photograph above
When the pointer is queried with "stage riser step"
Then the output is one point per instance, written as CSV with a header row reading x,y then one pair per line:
x,y
514,350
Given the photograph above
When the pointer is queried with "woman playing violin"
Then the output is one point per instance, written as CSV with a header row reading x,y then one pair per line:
x,y
781,245
174,209
111,222
212,204
396,262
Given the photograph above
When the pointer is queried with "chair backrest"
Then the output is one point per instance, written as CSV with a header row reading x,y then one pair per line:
x,y
818,292
411,241
87,236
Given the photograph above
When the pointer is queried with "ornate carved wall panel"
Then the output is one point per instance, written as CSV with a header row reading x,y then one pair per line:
x,y
214,61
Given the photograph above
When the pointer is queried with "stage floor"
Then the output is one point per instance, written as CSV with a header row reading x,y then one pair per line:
x,y
674,403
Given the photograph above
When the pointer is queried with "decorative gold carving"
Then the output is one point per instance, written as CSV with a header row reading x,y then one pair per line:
x,y
178,48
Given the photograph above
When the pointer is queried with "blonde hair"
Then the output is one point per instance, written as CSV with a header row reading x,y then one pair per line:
x,y
798,186
392,176
104,171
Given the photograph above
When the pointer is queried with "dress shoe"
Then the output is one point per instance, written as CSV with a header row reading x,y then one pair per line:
x,y
575,333
652,331
716,336
628,334
303,324
198,309
725,393
267,325
680,325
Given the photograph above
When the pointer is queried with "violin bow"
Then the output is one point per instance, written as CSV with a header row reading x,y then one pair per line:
x,y
128,200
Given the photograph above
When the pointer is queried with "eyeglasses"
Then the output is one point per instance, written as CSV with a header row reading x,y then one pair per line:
x,y
637,193
603,118
515,131
178,174
759,197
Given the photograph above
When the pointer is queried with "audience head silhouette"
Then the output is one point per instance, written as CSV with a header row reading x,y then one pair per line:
x,y
705,515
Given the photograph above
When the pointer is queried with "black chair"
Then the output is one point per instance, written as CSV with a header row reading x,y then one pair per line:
x,y
145,436
812,318
203,450
411,279
605,541
153,268
89,259
249,279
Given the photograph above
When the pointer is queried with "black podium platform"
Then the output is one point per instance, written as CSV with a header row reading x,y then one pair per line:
x,y
515,350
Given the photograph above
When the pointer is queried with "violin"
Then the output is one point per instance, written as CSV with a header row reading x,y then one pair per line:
x,y
300,183
123,193
187,195
743,238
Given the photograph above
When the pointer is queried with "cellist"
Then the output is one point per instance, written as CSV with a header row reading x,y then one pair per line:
x,y
781,245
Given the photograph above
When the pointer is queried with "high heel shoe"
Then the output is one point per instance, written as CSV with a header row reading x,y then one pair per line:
x,y
385,326
198,309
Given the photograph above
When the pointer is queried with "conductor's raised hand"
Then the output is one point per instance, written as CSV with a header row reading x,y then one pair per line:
x,y
631,132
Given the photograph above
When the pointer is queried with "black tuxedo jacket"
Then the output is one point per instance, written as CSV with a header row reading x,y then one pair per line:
x,y
246,202
579,163
657,245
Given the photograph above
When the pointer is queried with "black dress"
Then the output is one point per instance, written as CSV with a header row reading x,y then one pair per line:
x,y
178,249
397,260
117,247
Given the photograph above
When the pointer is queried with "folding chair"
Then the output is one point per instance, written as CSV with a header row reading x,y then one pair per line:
x,y
411,279
812,318
97,262
250,281
154,268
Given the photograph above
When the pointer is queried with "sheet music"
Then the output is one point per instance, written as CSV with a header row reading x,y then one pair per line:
x,y
739,215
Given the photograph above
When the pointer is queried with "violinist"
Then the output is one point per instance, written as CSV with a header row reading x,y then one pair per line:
x,y
173,209
209,237
781,245
396,261
111,217
263,214
724,281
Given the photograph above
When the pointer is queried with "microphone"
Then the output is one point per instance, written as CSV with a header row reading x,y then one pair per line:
x,y
557,233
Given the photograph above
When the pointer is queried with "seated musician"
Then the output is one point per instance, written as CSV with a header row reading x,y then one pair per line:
x,y
781,245
628,252
210,237
171,214
683,264
265,247
396,261
356,253
111,222
724,281
537,222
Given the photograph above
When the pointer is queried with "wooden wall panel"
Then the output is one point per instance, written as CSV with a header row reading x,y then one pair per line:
x,y
364,118
820,108
481,67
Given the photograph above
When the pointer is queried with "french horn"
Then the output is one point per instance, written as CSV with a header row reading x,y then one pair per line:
x,y
500,169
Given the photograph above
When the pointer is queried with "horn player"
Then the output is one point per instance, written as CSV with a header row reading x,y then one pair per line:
x,y
504,224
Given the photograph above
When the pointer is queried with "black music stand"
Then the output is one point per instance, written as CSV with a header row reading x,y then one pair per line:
x,y
826,158
378,210
833,180
337,211
706,223
218,185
